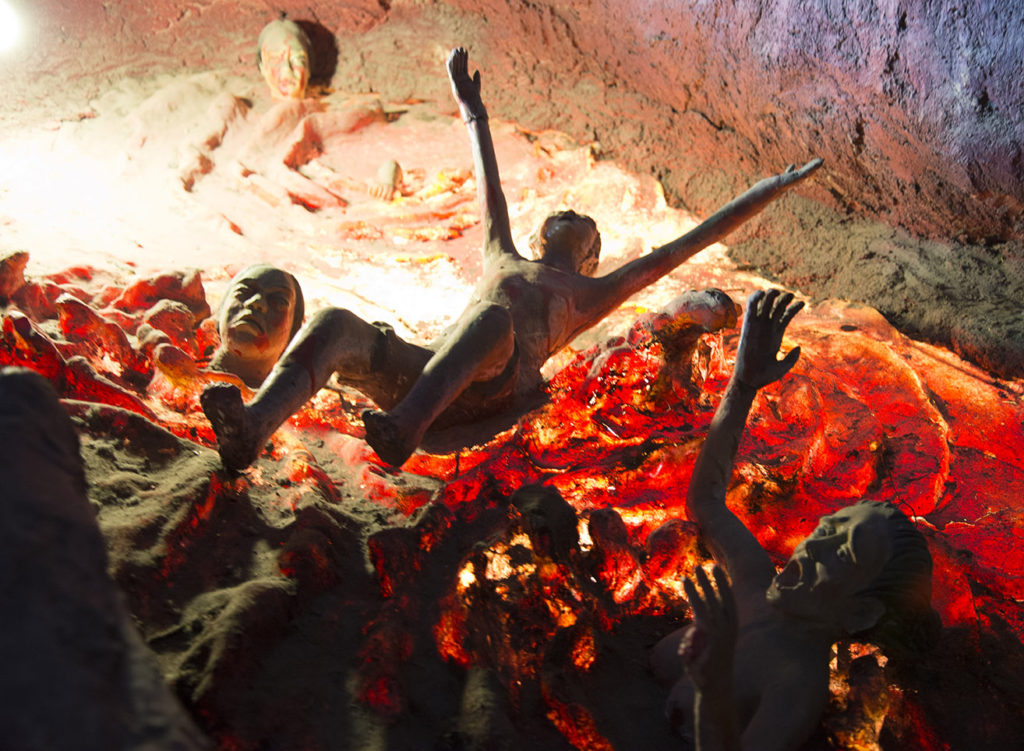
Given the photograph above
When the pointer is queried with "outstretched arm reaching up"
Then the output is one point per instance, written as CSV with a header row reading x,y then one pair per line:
x,y
493,209
613,289
757,365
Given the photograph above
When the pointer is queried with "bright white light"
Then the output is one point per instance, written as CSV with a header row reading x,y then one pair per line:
x,y
10,27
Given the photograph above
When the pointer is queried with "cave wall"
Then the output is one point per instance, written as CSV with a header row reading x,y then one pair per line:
x,y
916,108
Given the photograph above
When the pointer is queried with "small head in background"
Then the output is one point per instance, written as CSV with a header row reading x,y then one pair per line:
x,y
259,314
283,59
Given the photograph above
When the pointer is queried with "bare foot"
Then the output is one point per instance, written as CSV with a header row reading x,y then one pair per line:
x,y
222,403
391,444
389,177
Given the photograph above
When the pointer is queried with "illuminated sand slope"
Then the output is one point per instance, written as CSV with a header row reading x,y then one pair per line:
x,y
320,600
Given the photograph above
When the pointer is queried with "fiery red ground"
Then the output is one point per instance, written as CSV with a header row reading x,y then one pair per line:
x,y
866,413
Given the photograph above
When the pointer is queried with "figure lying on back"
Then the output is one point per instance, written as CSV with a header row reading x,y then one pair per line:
x,y
520,313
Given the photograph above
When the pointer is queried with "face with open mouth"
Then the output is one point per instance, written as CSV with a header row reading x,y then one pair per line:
x,y
829,568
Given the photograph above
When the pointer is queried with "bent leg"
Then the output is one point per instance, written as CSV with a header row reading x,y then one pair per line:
x,y
478,348
334,340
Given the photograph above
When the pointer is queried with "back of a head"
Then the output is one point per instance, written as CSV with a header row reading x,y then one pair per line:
x,y
585,246
550,521
33,422
904,586
75,672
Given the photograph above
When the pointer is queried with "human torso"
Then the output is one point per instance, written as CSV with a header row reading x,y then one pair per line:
x,y
768,660
769,664
541,301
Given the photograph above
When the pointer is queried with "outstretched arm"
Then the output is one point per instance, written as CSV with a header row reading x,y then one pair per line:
x,y
493,209
757,365
613,289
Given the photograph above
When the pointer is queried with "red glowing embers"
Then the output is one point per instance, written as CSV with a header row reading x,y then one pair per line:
x,y
866,413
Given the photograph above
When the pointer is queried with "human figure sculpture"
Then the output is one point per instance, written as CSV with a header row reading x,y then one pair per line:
x,y
76,673
283,59
520,313
757,654
274,153
259,314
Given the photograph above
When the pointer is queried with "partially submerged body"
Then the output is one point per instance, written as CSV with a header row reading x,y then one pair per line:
x,y
757,654
520,313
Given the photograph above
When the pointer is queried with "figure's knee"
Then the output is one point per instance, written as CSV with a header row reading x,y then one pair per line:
x,y
334,322
328,334
337,340
494,320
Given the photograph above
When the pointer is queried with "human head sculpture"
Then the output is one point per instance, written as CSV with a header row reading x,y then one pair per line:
x,y
260,312
283,58
865,571
548,519
569,241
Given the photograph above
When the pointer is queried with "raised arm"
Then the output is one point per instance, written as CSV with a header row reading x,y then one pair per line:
x,y
757,365
613,289
493,209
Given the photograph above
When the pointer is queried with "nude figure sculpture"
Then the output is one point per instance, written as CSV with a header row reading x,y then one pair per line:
x,y
520,313
757,654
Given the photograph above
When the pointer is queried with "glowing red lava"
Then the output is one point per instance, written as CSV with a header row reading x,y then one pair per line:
x,y
866,413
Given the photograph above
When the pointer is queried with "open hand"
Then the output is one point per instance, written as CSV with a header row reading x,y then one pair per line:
x,y
768,314
709,642
466,89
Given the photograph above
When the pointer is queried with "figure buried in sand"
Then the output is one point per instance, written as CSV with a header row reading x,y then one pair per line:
x,y
757,654
283,58
520,313
261,311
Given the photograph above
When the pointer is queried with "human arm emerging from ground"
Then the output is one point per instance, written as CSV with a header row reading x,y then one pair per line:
x,y
865,571
757,365
708,645
707,650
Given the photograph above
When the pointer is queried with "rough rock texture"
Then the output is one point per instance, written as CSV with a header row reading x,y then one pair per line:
x,y
917,110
